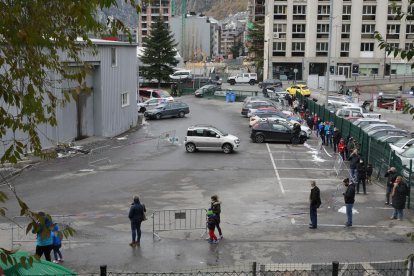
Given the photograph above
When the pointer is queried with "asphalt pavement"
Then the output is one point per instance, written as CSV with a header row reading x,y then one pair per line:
x,y
264,189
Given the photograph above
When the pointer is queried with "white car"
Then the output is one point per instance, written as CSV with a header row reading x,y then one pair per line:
x,y
407,156
151,103
402,144
342,101
364,112
181,75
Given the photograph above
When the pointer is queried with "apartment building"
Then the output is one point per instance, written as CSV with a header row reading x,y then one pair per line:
x,y
297,38
151,12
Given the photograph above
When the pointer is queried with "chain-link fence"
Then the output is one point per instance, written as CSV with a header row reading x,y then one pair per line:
x,y
373,151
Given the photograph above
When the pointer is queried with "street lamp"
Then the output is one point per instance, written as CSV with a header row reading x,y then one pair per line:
x,y
329,52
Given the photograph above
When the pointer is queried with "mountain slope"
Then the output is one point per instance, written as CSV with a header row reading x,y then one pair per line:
x,y
218,9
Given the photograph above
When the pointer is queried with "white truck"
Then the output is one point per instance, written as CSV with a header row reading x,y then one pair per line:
x,y
250,78
364,112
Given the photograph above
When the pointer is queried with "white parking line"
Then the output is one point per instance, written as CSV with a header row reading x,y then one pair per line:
x,y
356,226
313,169
275,169
310,178
304,160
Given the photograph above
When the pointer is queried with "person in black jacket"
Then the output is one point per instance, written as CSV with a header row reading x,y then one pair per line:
x,y
296,133
336,137
136,216
349,198
216,208
362,175
391,175
399,194
315,203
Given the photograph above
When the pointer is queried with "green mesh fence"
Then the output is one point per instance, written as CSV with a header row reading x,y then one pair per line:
x,y
374,152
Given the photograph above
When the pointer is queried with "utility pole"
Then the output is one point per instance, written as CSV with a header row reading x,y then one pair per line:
x,y
328,65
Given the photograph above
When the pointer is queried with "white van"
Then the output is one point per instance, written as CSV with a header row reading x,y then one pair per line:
x,y
181,75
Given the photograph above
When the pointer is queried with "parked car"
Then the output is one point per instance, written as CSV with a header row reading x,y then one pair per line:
x,y
301,88
171,109
347,113
377,126
150,104
250,78
390,138
263,116
207,137
365,113
387,102
402,144
277,131
407,157
207,89
341,101
255,105
181,75
149,93
384,132
253,110
253,98
274,92
270,82
362,122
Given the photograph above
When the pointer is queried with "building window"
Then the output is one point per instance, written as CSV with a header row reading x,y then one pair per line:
x,y
346,12
393,31
124,99
299,12
298,30
323,12
367,47
367,30
322,30
298,49
280,12
345,49
409,31
322,49
165,11
113,57
391,13
279,49
368,12
409,46
280,29
346,30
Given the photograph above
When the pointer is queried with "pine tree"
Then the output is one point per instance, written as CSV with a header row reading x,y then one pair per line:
x,y
255,45
159,53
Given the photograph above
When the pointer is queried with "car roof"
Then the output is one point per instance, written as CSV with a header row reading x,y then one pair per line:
x,y
387,137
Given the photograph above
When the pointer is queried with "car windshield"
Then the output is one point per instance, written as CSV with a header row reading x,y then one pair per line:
x,y
305,87
402,142
409,153
164,94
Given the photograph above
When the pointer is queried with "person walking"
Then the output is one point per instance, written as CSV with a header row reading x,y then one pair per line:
x,y
315,203
57,244
211,225
361,175
353,162
216,208
399,194
336,138
391,175
44,240
349,198
136,216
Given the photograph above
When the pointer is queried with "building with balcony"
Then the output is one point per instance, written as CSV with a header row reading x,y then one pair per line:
x,y
297,38
151,13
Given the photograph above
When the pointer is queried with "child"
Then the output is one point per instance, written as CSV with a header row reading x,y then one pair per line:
x,y
57,244
211,225
369,173
342,148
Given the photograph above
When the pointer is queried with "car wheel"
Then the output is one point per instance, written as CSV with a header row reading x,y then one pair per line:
x,y
259,138
232,82
252,82
181,114
227,148
190,147
158,116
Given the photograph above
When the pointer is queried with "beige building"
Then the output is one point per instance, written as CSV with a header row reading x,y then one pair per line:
x,y
150,14
297,38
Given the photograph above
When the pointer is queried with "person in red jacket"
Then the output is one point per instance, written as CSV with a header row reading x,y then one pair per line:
x,y
341,148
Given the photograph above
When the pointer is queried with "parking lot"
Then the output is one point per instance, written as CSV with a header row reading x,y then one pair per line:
x,y
264,189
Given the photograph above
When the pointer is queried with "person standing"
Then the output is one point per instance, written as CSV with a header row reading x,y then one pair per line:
x,y
369,173
322,132
353,162
315,203
328,134
391,175
349,198
336,138
44,239
296,134
57,244
216,208
136,216
362,175
211,225
342,148
398,195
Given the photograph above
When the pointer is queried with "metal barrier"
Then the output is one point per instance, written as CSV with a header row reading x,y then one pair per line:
x,y
181,219
99,155
18,229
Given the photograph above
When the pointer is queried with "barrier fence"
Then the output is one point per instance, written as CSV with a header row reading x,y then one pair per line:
x,y
371,150
181,219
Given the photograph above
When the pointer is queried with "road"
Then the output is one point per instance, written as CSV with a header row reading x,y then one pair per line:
x,y
264,189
